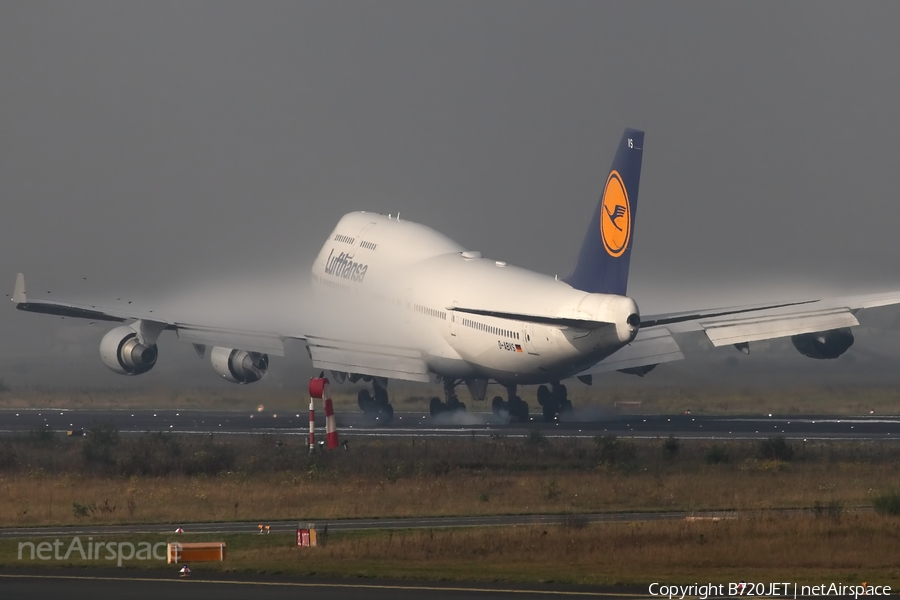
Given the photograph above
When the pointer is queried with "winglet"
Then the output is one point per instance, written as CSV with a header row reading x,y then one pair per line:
x,y
19,292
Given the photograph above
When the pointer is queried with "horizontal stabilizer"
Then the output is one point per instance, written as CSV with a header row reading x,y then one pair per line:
x,y
539,319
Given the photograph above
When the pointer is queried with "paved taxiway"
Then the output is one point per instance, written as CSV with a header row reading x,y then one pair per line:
x,y
354,424
103,584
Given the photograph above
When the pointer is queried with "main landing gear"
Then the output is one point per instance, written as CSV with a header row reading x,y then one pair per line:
x,y
376,404
513,405
452,403
554,402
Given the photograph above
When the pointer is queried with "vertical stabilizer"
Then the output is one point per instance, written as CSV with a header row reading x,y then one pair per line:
x,y
602,263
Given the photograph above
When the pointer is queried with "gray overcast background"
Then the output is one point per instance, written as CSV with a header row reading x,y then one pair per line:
x,y
146,146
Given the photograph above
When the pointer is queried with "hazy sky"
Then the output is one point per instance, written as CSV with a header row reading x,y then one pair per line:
x,y
144,145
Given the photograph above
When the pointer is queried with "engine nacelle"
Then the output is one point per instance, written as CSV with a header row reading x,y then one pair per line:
x,y
123,353
239,366
824,344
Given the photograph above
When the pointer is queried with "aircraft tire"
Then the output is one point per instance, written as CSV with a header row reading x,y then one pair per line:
x,y
381,397
498,406
549,413
386,414
518,409
436,407
364,399
543,395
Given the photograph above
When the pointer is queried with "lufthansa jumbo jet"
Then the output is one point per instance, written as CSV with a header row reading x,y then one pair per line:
x,y
456,317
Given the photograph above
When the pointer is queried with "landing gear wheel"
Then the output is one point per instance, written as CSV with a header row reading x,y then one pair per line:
x,y
436,407
518,409
544,397
381,396
549,413
386,414
497,406
364,399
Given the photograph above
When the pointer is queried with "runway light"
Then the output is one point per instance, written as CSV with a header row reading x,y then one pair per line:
x,y
770,414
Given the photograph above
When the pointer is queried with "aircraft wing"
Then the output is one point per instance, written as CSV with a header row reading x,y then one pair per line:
x,y
762,322
196,333
344,355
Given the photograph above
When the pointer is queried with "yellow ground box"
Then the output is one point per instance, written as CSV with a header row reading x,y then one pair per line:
x,y
189,552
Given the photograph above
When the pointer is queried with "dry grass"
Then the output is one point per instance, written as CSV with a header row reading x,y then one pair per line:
x,y
762,549
804,549
44,478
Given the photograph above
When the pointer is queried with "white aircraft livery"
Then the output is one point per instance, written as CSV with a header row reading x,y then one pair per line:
x,y
453,316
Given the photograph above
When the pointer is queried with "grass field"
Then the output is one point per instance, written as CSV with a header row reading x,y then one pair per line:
x,y
104,478
101,478
806,549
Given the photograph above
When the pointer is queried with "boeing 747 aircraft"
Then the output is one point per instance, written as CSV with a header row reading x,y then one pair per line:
x,y
456,317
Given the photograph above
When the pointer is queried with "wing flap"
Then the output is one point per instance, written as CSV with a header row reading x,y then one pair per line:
x,y
378,361
753,329
252,342
650,347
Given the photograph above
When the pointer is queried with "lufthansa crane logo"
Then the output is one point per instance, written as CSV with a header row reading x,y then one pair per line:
x,y
615,216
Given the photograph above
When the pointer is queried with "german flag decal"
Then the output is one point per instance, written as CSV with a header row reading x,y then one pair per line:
x,y
518,348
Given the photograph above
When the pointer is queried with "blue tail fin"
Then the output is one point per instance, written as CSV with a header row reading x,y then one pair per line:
x,y
602,264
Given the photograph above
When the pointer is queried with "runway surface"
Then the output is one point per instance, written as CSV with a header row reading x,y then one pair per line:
x,y
105,584
354,424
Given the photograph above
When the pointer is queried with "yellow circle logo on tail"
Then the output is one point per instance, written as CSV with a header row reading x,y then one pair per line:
x,y
615,216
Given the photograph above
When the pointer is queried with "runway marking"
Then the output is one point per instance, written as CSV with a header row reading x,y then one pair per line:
x,y
299,584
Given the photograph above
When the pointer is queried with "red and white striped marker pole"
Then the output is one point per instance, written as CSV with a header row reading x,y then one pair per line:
x,y
320,388
312,423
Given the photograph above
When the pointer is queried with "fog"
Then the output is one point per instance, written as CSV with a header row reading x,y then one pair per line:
x,y
194,156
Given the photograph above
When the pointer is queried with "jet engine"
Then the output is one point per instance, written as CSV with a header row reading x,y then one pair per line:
x,y
122,352
239,366
824,344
